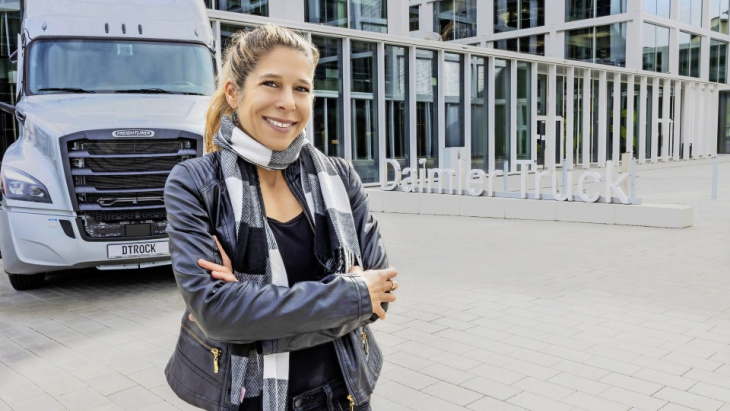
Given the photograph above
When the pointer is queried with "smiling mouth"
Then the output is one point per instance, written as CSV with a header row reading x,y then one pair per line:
x,y
278,123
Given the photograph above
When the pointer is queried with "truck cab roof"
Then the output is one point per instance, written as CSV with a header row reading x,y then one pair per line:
x,y
133,19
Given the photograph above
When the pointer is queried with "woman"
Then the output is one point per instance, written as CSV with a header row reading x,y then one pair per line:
x,y
282,323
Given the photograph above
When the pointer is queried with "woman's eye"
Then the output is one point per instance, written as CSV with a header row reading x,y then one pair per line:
x,y
269,84
303,89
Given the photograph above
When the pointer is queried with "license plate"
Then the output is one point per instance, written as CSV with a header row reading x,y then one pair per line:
x,y
155,248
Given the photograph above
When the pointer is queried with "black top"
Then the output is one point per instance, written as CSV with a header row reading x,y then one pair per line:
x,y
311,367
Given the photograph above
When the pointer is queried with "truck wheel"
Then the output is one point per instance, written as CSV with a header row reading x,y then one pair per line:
x,y
26,281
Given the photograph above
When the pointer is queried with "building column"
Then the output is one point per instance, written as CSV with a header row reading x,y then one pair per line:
x,y
398,12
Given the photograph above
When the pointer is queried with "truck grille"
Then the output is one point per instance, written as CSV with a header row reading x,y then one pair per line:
x,y
118,184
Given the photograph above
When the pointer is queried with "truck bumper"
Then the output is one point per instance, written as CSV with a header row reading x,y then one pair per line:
x,y
34,243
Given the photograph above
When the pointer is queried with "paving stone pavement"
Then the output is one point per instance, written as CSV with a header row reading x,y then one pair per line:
x,y
492,315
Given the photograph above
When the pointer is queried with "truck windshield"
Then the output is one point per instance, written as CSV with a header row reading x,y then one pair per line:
x,y
116,66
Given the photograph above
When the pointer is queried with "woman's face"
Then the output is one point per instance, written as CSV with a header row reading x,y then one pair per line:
x,y
276,99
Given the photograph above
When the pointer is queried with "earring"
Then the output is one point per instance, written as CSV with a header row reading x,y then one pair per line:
x,y
235,118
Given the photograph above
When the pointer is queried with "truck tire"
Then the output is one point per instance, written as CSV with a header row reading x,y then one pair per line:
x,y
26,281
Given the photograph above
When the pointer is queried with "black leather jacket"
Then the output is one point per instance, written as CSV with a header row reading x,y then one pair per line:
x,y
233,318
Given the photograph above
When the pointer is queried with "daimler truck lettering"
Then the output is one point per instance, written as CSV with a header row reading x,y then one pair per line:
x,y
133,133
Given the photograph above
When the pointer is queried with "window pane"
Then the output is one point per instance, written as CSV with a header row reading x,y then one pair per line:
x,y
479,115
453,83
506,15
502,84
662,49
255,7
414,15
455,19
690,12
524,97
579,9
426,119
649,47
579,44
364,110
684,49
326,118
611,44
396,125
329,12
369,15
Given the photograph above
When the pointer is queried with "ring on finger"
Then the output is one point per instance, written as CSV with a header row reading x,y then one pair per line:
x,y
394,285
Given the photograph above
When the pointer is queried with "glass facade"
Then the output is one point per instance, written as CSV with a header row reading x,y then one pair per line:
x,y
426,98
601,44
690,12
327,107
588,9
512,15
368,15
689,54
396,105
719,10
718,61
658,7
656,48
528,44
455,19
257,8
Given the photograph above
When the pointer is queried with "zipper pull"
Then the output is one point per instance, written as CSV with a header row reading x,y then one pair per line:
x,y
216,355
365,341
352,402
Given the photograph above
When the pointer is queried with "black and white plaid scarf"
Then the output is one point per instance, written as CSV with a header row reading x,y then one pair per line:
x,y
335,239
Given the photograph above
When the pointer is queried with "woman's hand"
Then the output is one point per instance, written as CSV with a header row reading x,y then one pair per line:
x,y
380,284
219,272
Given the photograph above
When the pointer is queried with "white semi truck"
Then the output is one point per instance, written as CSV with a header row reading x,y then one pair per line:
x,y
111,94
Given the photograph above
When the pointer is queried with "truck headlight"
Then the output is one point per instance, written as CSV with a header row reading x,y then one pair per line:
x,y
18,185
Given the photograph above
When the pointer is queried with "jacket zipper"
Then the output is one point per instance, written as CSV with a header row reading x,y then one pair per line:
x,y
215,351
365,341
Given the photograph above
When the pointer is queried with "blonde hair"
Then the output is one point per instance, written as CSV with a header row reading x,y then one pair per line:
x,y
245,50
